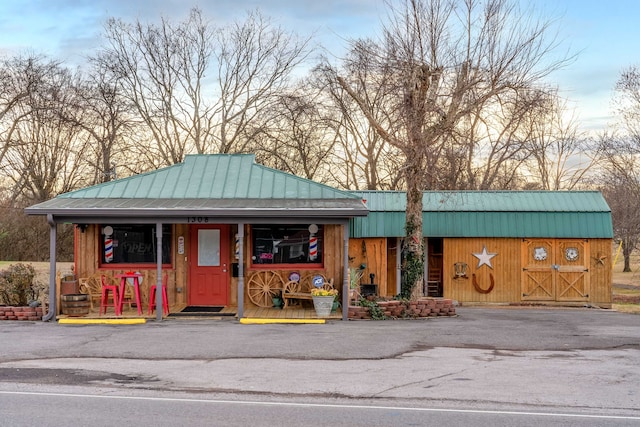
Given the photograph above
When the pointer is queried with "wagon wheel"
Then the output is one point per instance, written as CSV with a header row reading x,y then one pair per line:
x,y
262,286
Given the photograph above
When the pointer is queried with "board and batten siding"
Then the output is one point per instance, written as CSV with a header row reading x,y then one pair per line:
x,y
333,255
87,263
506,270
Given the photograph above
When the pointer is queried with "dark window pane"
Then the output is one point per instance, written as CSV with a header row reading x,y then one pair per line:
x,y
287,244
133,244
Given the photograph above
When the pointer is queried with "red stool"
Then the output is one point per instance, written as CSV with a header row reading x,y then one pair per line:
x,y
152,299
104,300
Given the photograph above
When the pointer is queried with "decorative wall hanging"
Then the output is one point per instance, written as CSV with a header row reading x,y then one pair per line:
x,y
571,254
478,288
484,257
600,259
539,253
460,269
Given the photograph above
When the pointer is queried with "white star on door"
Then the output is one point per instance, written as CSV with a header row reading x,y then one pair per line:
x,y
484,257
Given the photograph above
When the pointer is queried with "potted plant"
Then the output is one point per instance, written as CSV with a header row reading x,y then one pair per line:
x,y
323,300
276,299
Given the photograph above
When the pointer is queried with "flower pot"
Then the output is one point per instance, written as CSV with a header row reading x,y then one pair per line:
x,y
277,302
323,305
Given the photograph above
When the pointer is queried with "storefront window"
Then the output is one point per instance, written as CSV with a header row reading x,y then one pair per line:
x,y
287,244
133,244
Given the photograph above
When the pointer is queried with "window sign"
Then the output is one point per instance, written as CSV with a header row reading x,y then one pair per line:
x,y
133,244
287,244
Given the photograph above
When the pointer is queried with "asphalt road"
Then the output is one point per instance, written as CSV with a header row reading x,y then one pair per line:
x,y
495,366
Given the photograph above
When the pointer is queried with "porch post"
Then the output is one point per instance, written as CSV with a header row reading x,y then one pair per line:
x,y
159,306
345,272
240,270
52,269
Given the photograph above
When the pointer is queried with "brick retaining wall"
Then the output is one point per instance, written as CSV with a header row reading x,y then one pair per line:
x,y
20,313
424,307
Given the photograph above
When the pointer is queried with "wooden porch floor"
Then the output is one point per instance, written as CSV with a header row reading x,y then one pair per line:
x,y
249,312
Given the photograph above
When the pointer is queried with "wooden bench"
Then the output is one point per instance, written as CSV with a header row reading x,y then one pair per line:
x,y
301,291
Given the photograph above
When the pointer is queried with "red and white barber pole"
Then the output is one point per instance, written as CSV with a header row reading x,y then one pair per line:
x,y
313,247
108,249
313,242
108,244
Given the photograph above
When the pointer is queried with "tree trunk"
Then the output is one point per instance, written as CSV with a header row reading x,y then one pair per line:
x,y
413,274
626,254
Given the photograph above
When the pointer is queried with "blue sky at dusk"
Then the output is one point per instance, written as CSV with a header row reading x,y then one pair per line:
x,y
604,34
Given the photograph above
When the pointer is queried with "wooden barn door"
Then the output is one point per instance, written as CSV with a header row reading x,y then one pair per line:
x,y
538,280
555,270
573,278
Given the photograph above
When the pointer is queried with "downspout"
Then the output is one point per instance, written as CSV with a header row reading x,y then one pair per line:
x,y
345,272
240,270
159,293
51,314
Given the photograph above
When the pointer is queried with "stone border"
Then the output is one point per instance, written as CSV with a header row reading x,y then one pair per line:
x,y
421,308
20,313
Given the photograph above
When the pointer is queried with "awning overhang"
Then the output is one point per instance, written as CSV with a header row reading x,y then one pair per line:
x,y
85,210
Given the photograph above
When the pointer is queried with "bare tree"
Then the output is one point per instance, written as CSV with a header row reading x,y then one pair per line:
x,y
46,148
20,77
295,140
448,60
104,113
255,61
620,179
620,185
161,69
561,155
198,88
362,159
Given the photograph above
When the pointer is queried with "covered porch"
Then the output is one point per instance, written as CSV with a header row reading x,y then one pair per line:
x,y
204,229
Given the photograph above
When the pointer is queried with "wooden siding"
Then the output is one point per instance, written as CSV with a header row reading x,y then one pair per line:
x,y
601,268
379,254
509,272
332,260
372,252
87,259
505,273
87,263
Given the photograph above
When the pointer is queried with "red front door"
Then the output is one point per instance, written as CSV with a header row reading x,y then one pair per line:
x,y
208,266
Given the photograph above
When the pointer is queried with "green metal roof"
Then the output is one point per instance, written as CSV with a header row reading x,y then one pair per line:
x,y
215,176
227,186
522,214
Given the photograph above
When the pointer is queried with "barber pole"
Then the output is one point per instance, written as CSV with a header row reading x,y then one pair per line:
x,y
108,249
313,247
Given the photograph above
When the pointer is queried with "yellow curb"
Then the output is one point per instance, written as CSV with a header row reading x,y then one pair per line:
x,y
102,321
252,321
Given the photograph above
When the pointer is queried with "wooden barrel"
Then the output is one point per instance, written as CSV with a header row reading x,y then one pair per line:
x,y
75,304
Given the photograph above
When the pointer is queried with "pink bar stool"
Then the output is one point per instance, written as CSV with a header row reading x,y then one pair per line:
x,y
104,299
152,298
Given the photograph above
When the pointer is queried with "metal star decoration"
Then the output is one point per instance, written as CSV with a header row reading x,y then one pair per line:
x,y
484,257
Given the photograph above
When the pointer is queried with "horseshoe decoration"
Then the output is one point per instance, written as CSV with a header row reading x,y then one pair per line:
x,y
478,288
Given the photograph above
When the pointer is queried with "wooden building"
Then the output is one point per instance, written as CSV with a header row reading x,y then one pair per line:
x,y
493,247
222,230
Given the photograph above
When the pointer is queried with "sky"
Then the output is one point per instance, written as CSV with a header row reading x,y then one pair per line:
x,y
603,34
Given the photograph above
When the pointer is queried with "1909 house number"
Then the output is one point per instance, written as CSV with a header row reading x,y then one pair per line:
x,y
197,219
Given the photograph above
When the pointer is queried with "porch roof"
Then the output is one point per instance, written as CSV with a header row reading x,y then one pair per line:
x,y
227,187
